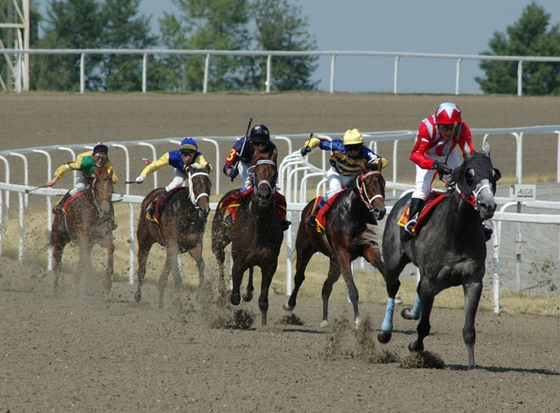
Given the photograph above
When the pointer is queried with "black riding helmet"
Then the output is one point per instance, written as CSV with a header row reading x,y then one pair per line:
x,y
100,148
259,134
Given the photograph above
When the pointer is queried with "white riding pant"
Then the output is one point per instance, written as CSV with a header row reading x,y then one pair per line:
x,y
178,179
336,182
425,177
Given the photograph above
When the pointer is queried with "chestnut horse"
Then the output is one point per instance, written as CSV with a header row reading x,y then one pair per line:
x,y
89,219
180,229
449,249
349,233
255,236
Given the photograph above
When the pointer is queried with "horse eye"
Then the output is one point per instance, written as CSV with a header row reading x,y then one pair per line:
x,y
470,176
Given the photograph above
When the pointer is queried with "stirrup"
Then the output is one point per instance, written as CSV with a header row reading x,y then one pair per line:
x,y
227,221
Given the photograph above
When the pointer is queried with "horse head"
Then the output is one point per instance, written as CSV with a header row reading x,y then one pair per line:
x,y
476,181
371,185
199,188
264,174
102,191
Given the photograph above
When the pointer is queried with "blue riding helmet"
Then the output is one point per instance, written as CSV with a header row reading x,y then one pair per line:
x,y
188,145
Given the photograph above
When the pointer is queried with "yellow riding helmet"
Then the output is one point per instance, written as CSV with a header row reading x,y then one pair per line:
x,y
353,137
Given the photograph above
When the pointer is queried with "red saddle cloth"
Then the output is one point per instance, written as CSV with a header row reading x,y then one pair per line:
x,y
71,199
232,201
432,200
321,217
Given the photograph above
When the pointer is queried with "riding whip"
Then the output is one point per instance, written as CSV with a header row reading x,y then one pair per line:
x,y
27,191
243,146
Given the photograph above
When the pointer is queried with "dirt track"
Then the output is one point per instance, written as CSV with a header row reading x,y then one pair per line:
x,y
85,352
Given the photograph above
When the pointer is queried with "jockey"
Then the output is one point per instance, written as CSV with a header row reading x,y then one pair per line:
x,y
347,153
239,162
433,151
85,163
180,159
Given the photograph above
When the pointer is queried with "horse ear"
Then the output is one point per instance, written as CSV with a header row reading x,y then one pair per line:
x,y
486,148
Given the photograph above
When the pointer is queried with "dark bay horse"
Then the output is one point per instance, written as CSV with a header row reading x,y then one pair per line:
x,y
89,219
449,249
349,233
181,228
255,236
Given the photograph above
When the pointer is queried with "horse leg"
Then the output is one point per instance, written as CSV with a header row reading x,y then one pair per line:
x,y
196,254
391,272
267,274
144,246
218,248
472,292
333,276
346,267
250,288
237,277
426,304
108,244
84,261
303,257
58,242
171,264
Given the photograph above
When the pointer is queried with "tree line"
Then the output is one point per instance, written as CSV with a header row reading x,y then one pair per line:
x,y
267,25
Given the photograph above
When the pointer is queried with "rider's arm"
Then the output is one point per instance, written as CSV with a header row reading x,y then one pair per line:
x,y
154,166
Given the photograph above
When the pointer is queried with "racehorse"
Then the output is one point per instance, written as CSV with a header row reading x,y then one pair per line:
x,y
89,219
255,236
349,233
182,214
449,249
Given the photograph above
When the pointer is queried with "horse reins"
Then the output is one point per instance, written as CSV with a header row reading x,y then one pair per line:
x,y
362,190
472,200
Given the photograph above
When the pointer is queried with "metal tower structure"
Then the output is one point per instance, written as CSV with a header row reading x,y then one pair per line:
x,y
14,34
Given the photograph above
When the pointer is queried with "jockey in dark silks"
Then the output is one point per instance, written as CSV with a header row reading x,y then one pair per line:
x,y
238,162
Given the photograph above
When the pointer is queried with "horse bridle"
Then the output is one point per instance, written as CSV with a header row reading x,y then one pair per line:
x,y
264,181
192,197
362,190
472,200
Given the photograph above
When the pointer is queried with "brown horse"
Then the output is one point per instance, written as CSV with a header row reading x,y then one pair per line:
x,y
89,219
349,233
256,235
182,221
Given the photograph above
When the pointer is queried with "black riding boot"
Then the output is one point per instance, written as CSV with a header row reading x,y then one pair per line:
x,y
416,205
57,208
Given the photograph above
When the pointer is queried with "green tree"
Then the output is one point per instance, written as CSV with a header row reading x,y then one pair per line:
x,y
280,26
71,24
123,29
206,24
527,37
91,24
226,25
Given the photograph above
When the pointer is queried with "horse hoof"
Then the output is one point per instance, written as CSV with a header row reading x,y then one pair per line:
x,y
247,297
415,346
288,307
137,297
384,338
324,323
406,313
234,299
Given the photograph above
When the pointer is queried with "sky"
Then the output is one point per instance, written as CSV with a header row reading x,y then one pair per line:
x,y
421,26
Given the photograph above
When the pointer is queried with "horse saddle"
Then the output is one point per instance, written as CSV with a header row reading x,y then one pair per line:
x,y
432,200
163,200
72,199
321,214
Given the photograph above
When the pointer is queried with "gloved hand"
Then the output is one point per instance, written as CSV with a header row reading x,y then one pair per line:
x,y
442,168
196,165
140,179
305,150
232,173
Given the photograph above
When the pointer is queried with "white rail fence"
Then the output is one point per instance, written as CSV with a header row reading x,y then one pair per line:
x,y
22,56
295,174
